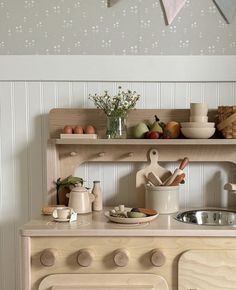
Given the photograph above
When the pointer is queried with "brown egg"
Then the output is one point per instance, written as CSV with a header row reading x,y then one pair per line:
x,y
89,129
78,130
68,129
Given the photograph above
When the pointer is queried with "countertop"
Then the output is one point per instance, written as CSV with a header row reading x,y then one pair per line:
x,y
96,224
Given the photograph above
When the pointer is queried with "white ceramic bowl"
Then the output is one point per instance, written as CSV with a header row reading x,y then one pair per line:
x,y
198,133
197,125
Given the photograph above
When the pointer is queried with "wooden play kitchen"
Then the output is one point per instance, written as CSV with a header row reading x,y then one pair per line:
x,y
93,253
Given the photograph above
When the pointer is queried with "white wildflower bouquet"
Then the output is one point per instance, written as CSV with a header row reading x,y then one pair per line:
x,y
117,105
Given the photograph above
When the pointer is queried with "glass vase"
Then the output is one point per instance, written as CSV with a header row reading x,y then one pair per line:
x,y
116,127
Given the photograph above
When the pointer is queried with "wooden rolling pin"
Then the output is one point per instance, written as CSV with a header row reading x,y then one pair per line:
x,y
178,179
177,172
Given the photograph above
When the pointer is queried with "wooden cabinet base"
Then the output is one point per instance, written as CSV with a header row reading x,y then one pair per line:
x,y
187,257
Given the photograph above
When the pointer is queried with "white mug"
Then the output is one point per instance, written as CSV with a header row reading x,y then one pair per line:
x,y
198,109
62,213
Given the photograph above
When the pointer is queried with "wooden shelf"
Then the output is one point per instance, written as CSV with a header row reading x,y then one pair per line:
x,y
65,155
138,142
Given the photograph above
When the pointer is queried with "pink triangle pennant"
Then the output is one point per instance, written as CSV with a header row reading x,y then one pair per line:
x,y
172,8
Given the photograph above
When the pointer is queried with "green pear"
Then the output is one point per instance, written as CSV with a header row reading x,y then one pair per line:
x,y
156,126
139,130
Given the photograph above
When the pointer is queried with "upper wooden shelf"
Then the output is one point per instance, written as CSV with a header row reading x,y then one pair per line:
x,y
63,160
146,141
58,118
78,151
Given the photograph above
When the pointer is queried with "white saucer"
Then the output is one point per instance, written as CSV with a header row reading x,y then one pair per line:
x,y
61,220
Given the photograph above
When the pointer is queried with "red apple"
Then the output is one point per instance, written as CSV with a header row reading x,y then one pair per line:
x,y
152,135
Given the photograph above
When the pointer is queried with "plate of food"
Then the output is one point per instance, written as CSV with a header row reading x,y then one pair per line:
x,y
127,215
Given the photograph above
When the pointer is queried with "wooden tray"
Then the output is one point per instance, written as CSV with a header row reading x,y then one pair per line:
x,y
78,136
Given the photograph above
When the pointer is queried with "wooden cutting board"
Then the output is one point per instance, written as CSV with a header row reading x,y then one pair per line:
x,y
141,175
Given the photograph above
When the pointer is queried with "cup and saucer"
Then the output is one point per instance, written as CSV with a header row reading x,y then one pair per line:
x,y
64,214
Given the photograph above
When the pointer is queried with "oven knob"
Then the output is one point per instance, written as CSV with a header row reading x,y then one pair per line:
x,y
157,258
121,257
85,257
48,257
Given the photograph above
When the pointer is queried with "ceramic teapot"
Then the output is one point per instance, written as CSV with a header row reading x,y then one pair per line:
x,y
80,199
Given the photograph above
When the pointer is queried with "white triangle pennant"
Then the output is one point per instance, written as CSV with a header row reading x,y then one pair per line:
x,y
172,8
227,9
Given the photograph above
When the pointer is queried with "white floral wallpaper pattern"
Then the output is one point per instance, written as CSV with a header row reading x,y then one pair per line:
x,y
128,27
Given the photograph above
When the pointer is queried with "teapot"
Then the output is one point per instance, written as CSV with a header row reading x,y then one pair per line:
x,y
80,199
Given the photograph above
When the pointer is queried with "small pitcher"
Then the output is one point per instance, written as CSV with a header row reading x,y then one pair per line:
x,y
80,199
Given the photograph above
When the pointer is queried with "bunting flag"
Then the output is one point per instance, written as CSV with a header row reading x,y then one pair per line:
x,y
227,8
172,8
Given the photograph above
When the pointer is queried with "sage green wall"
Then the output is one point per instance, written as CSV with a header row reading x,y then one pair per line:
x,y
128,27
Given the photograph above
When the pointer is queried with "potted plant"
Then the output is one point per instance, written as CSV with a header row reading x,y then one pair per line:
x,y
64,186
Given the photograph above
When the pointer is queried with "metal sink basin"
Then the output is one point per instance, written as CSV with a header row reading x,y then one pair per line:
x,y
208,217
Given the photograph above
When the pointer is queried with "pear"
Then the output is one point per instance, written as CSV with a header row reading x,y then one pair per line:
x,y
140,130
156,126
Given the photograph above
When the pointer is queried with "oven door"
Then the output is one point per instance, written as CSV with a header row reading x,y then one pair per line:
x,y
103,282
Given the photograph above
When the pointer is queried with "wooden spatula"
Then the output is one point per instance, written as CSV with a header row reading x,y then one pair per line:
x,y
155,180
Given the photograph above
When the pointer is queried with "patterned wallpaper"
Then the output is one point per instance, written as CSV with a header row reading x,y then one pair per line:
x,y
128,27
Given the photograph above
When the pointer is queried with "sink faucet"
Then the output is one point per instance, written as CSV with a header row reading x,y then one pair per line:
x,y
230,187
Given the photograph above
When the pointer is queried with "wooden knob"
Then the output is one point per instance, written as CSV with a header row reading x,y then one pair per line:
x,y
101,154
73,153
157,258
121,257
130,154
48,257
85,257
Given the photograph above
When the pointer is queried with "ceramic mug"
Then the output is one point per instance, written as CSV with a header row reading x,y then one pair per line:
x,y
62,213
198,109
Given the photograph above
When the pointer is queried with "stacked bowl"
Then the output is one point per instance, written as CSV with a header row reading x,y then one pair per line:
x,y
198,127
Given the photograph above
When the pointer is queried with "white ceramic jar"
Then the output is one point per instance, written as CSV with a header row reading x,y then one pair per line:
x,y
164,199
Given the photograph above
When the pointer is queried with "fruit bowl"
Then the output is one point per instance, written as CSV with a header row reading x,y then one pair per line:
x,y
198,133
197,125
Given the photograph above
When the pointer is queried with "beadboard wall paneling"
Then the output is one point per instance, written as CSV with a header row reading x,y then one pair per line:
x,y
24,133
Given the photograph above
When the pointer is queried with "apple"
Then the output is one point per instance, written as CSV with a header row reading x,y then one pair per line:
x,y
140,130
152,135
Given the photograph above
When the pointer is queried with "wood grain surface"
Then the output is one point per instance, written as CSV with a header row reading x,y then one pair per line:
x,y
207,270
